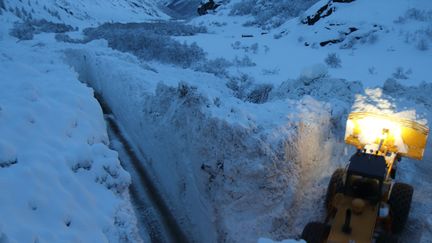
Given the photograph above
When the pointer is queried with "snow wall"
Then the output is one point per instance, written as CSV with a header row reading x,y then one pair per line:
x,y
223,170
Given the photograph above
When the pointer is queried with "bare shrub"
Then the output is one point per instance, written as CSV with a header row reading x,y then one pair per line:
x,y
216,66
259,94
27,29
400,73
244,62
22,31
333,60
150,43
423,45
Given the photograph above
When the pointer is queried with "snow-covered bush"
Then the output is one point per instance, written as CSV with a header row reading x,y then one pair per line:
x,y
333,60
22,31
216,66
415,14
423,45
241,85
271,13
63,37
391,85
252,48
244,89
259,94
244,62
400,73
168,28
43,25
147,44
244,7
2,6
27,29
421,37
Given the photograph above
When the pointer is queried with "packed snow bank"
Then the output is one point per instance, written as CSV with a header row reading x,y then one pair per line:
x,y
213,155
59,180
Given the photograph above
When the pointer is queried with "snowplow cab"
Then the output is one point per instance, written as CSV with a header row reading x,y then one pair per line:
x,y
387,133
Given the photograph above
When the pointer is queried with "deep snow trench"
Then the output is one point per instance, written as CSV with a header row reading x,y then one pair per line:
x,y
154,216
210,168
226,166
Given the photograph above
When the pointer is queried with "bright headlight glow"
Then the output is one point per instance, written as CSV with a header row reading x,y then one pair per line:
x,y
373,129
387,133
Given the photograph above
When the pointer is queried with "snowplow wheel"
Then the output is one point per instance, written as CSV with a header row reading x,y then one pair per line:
x,y
315,232
400,204
387,238
335,186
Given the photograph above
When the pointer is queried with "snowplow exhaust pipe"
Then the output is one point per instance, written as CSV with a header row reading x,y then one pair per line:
x,y
346,228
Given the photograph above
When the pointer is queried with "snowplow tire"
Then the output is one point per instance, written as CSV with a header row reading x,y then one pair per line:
x,y
387,238
335,186
400,205
315,232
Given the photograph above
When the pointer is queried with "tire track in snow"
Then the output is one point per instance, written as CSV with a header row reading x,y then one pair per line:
x,y
153,213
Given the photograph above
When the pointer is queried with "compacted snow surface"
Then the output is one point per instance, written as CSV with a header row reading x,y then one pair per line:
x,y
239,131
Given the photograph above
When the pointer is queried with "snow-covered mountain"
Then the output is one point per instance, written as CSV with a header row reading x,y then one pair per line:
x,y
182,8
86,12
239,114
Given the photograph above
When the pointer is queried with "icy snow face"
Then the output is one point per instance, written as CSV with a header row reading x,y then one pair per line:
x,y
59,180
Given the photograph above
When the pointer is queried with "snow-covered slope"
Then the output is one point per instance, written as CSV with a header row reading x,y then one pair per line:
x,y
80,13
243,148
59,181
372,43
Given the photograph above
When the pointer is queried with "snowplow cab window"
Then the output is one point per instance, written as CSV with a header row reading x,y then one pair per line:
x,y
364,188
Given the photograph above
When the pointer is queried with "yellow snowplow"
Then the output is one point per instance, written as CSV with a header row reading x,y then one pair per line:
x,y
363,202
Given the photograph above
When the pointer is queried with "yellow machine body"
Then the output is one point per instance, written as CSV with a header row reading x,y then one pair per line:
x,y
363,224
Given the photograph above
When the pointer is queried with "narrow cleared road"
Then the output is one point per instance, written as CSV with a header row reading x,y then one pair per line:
x,y
155,219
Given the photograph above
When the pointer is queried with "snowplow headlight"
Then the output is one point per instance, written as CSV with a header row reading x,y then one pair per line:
x,y
373,129
397,135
